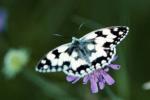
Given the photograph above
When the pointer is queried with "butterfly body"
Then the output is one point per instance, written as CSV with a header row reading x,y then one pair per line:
x,y
85,55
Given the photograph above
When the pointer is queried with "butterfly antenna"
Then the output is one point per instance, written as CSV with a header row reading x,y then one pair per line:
x,y
58,35
79,28
81,25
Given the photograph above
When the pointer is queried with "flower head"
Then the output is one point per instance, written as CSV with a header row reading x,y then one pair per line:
x,y
146,86
98,79
14,61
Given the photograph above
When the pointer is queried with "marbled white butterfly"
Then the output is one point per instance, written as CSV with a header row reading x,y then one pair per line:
x,y
85,55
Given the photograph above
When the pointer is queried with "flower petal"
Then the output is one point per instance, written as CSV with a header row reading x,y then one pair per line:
x,y
109,80
94,87
106,69
101,85
77,79
101,82
114,66
114,58
72,79
86,79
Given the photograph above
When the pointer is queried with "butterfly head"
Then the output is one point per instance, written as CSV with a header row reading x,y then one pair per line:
x,y
76,41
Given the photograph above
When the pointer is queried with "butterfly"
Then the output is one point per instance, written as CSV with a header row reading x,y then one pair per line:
x,y
84,55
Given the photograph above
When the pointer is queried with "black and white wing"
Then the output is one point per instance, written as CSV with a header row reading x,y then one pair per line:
x,y
64,58
107,37
97,51
55,60
98,48
102,42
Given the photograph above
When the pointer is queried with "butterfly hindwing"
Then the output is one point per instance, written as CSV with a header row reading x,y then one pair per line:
x,y
97,55
94,60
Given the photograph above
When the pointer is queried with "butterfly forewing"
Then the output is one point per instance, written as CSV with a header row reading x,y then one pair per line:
x,y
55,60
64,58
107,37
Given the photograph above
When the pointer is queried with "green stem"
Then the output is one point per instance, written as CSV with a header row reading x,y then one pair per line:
x,y
111,94
52,90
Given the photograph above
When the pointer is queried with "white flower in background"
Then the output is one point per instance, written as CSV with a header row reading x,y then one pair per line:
x,y
14,61
146,86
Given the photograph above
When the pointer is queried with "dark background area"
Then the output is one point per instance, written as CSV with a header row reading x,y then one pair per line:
x,y
32,23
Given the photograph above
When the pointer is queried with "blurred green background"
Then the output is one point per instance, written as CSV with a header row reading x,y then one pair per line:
x,y
31,24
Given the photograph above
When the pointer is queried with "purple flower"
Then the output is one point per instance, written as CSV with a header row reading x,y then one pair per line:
x,y
98,79
3,17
